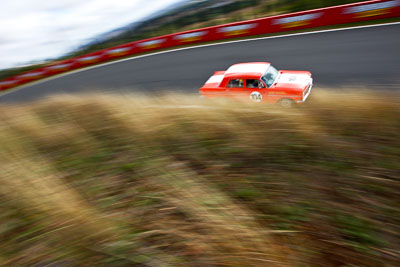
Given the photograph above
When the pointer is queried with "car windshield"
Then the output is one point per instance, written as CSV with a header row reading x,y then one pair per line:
x,y
270,76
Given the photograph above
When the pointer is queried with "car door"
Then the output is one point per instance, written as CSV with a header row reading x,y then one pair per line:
x,y
256,90
235,88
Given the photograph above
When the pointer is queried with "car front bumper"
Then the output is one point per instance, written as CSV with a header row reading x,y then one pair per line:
x,y
307,93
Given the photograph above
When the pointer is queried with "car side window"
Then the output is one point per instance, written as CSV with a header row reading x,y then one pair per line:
x,y
235,83
253,83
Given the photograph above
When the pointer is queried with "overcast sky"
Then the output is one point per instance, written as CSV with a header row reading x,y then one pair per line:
x,y
32,30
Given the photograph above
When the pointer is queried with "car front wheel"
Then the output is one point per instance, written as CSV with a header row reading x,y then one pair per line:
x,y
286,103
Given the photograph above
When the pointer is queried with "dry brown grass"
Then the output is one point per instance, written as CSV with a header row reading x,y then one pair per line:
x,y
179,181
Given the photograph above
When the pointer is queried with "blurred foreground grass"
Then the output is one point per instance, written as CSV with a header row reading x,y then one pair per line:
x,y
102,180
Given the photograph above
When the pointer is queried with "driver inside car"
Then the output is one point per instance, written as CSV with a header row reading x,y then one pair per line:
x,y
252,84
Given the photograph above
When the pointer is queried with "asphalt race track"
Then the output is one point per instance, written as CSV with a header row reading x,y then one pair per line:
x,y
366,57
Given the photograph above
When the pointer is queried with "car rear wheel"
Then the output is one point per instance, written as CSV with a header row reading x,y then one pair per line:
x,y
286,103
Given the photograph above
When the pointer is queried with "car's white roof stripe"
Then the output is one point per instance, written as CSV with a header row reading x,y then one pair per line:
x,y
215,79
248,67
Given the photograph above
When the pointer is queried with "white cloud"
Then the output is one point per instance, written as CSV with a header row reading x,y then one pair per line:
x,y
32,30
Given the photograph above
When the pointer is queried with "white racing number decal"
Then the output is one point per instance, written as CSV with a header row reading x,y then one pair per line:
x,y
255,96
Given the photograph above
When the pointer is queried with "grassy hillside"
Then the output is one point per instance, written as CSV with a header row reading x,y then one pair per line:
x,y
102,180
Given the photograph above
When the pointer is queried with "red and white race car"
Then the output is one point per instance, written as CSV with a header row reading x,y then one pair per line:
x,y
260,82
